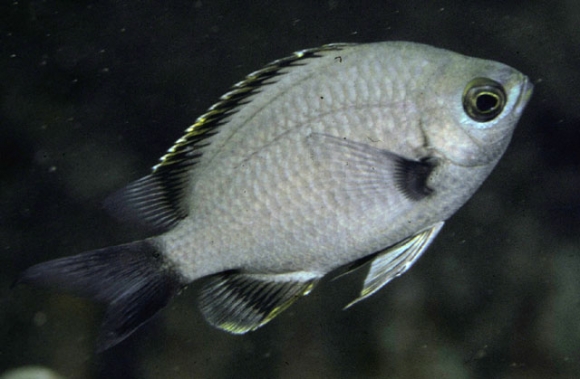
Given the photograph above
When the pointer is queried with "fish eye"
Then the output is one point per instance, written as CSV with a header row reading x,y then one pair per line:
x,y
483,99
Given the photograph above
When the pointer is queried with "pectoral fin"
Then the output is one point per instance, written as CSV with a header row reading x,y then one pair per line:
x,y
240,302
368,171
394,261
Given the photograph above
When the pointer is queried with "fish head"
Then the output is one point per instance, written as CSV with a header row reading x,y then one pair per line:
x,y
472,109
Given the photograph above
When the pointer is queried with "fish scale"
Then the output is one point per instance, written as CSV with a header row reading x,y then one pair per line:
x,y
340,156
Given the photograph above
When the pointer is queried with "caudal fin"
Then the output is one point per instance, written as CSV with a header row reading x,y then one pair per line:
x,y
132,279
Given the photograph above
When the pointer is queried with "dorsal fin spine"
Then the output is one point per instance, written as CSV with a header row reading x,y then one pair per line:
x,y
205,126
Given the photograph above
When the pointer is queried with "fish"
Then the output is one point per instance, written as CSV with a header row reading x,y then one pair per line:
x,y
337,157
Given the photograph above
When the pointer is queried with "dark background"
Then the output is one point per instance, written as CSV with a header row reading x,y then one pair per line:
x,y
93,92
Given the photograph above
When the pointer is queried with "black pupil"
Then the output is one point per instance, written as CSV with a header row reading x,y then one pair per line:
x,y
486,102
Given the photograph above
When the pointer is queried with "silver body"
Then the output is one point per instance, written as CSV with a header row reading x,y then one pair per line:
x,y
268,197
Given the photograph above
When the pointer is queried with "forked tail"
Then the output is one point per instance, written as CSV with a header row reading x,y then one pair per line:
x,y
132,279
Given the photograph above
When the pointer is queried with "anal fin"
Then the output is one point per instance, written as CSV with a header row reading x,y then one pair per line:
x,y
395,260
241,302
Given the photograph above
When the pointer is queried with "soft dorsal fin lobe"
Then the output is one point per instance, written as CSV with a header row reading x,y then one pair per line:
x,y
239,303
155,201
395,260
132,279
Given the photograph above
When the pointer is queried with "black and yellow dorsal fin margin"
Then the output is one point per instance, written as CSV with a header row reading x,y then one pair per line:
x,y
206,125
157,200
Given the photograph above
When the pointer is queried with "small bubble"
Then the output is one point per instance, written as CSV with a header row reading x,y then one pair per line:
x,y
39,319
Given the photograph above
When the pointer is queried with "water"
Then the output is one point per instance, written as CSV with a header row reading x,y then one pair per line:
x,y
94,92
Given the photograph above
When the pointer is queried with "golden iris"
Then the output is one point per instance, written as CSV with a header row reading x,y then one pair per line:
x,y
483,99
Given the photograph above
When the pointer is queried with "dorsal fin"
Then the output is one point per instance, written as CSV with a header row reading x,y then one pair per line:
x,y
207,124
156,200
